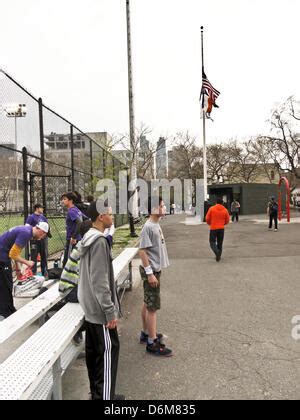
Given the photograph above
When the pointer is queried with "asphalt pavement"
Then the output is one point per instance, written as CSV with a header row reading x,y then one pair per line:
x,y
229,324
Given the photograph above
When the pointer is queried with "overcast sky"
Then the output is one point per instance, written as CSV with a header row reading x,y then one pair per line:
x,y
73,55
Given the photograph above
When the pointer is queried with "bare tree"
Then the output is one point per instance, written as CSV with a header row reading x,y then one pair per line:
x,y
224,161
292,104
284,146
8,183
247,163
144,156
262,147
187,158
5,192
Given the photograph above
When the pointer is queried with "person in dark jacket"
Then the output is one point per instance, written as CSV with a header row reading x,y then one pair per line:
x,y
272,212
73,222
235,210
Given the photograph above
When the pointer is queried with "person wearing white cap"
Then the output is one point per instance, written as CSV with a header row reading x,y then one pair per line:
x,y
12,243
39,247
44,226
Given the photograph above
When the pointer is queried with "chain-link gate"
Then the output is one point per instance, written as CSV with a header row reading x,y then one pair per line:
x,y
56,186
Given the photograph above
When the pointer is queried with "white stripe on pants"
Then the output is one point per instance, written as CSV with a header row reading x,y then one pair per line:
x,y
107,364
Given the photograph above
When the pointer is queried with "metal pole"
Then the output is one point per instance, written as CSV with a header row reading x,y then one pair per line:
x,y
288,204
42,149
113,169
31,191
16,140
92,167
25,191
25,183
204,127
204,158
72,158
133,174
130,79
114,177
103,163
17,167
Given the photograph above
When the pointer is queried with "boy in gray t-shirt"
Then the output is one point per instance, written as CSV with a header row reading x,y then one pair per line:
x,y
154,256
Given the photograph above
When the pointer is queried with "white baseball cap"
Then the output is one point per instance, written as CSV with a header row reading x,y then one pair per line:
x,y
43,226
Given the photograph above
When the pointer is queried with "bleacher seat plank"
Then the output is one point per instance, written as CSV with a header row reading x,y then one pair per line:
x,y
29,313
122,261
37,355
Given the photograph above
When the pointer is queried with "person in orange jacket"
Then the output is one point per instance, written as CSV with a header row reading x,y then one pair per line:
x,y
217,217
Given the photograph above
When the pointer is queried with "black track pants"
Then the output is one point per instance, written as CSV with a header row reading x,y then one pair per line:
x,y
6,287
102,355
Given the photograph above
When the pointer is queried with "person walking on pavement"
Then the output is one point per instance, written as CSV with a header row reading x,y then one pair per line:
x,y
272,212
235,210
39,247
98,298
154,257
217,217
11,245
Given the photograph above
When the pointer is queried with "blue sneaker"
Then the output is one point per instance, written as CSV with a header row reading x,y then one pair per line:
x,y
144,337
158,349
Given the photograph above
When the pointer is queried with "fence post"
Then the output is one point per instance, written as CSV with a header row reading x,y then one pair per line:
x,y
92,167
113,168
72,158
31,192
114,177
25,191
42,149
25,183
104,162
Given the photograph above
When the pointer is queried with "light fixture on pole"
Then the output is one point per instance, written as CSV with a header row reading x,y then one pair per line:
x,y
16,111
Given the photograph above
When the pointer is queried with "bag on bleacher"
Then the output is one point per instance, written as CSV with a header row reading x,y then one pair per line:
x,y
54,273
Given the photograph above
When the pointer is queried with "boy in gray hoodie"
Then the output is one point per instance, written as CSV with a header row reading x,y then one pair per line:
x,y
98,297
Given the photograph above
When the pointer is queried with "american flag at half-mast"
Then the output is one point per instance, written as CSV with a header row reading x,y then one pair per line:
x,y
208,96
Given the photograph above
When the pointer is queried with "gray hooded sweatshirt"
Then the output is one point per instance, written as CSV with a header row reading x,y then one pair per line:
x,y
97,291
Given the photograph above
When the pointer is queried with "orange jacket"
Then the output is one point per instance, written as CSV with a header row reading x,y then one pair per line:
x,y
217,217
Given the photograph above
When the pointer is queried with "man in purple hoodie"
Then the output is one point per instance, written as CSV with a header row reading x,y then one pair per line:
x,y
11,246
73,221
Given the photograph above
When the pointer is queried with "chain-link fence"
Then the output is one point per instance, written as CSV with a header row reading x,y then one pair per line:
x,y
42,155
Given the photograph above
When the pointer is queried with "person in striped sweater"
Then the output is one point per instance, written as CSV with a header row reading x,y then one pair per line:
x,y
70,274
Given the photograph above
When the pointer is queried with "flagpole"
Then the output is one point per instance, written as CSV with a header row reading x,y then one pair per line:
x,y
204,129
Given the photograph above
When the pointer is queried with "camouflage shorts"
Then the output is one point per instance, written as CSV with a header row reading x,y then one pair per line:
x,y
151,294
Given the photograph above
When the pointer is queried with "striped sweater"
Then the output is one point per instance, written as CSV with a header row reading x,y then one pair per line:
x,y
70,275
